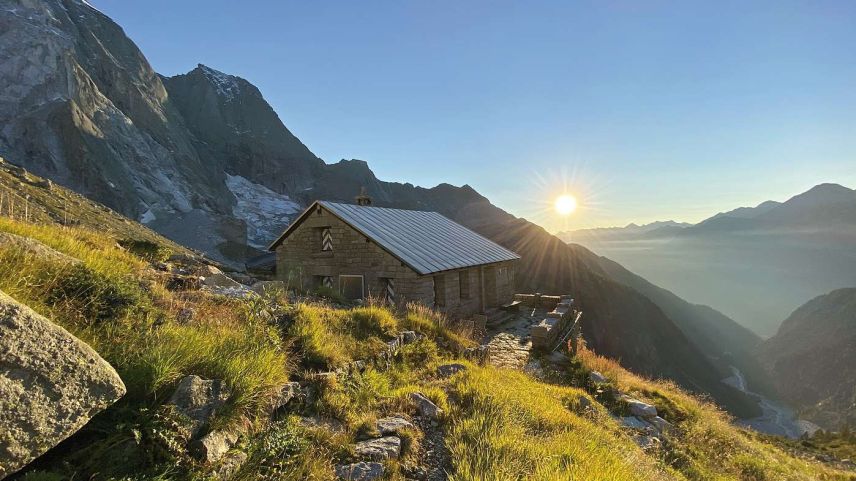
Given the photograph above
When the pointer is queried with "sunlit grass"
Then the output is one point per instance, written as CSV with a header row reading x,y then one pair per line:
x,y
510,427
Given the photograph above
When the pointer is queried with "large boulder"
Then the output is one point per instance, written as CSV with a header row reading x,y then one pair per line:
x,y
51,384
35,248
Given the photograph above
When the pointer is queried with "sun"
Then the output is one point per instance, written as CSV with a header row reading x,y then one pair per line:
x,y
565,204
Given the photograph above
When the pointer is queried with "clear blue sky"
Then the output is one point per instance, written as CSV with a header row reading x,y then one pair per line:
x,y
648,110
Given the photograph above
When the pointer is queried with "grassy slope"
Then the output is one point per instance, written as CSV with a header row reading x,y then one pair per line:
x,y
498,424
58,205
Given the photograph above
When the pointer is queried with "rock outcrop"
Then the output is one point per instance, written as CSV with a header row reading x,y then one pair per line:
x,y
51,384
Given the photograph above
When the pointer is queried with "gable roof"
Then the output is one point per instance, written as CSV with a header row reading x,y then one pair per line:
x,y
427,242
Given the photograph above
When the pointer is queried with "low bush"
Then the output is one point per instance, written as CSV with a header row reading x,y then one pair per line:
x,y
147,250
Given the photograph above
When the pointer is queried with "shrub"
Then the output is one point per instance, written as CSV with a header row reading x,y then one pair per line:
x,y
148,250
94,296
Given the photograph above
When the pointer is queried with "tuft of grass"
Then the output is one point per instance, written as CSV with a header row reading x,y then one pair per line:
x,y
429,322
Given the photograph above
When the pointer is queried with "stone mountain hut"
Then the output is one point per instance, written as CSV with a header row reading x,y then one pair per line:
x,y
398,255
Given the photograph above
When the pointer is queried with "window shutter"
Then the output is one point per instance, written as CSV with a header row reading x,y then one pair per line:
x,y
389,291
326,239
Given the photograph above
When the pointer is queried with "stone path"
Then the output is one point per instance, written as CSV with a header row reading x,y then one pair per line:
x,y
510,343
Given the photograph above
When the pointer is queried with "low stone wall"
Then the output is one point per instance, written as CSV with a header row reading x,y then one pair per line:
x,y
538,300
545,333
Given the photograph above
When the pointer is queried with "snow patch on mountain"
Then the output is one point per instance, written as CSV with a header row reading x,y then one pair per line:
x,y
225,84
265,212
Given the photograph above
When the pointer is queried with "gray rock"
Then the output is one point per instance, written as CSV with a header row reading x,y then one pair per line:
x,y
409,336
392,425
597,378
633,422
387,447
286,393
328,424
559,359
221,281
185,315
207,270
639,408
447,370
51,384
199,399
359,471
425,407
230,465
211,447
584,404
647,442
660,424
36,248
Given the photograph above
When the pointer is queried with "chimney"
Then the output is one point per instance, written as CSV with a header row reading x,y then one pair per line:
x,y
363,199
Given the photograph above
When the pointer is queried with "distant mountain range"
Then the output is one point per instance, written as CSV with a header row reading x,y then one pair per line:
x,y
757,264
812,359
202,158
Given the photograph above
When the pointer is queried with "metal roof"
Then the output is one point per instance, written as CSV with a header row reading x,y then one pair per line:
x,y
426,241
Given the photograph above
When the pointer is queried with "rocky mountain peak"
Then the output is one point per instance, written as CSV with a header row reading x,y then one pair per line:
x,y
227,86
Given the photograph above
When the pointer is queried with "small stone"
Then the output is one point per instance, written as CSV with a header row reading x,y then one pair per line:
x,y
639,408
206,270
409,337
328,424
286,393
559,359
597,378
185,315
387,447
199,399
359,471
647,442
425,406
661,424
211,447
584,404
447,370
633,422
392,425
230,465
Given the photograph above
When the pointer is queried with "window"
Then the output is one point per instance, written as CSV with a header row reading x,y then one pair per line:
x,y
464,284
440,290
326,239
351,287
